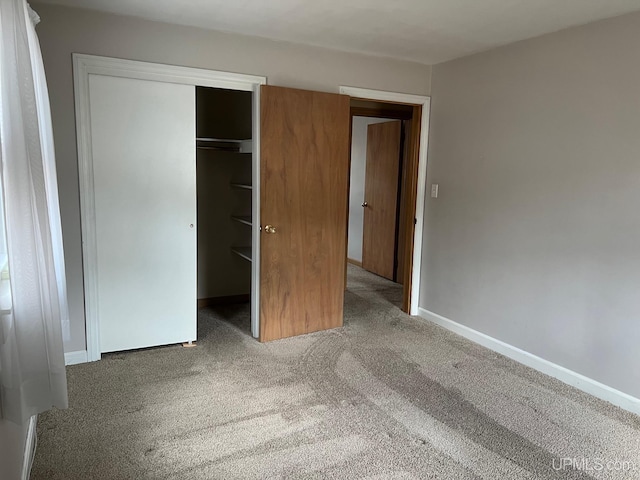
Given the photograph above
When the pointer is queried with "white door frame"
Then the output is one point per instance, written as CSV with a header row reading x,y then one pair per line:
x,y
85,65
425,102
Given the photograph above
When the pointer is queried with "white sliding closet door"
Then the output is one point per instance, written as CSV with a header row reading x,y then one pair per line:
x,y
143,160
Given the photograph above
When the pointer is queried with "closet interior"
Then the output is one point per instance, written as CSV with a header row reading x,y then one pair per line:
x,y
224,173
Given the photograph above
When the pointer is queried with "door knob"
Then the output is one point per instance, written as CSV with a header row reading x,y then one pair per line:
x,y
269,229
365,204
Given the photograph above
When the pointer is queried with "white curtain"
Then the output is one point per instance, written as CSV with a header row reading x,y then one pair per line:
x,y
34,310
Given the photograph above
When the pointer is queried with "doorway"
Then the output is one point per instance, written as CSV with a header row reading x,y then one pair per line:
x,y
376,195
387,116
379,150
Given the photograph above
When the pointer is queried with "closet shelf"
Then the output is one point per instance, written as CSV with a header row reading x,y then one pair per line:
x,y
242,219
244,252
243,186
224,144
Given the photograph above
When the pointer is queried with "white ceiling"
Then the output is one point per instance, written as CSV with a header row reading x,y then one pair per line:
x,y
426,31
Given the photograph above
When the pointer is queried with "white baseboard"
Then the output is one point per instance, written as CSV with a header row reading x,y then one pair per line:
x,y
71,358
29,448
563,374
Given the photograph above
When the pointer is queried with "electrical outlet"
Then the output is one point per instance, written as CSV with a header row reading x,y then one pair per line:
x,y
434,190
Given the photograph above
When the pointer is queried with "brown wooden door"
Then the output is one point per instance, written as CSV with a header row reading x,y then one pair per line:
x,y
381,198
304,149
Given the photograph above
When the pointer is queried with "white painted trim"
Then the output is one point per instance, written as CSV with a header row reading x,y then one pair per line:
x,y
383,96
73,358
29,448
118,67
577,380
425,102
255,216
83,66
81,70
416,273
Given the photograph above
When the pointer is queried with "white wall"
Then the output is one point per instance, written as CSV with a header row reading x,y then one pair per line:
x,y
535,236
356,189
66,30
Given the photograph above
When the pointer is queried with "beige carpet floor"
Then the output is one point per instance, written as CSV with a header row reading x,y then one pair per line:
x,y
385,397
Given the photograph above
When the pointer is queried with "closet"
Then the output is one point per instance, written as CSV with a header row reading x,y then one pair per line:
x,y
202,187
224,186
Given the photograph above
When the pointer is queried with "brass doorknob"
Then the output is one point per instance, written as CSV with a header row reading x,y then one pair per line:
x,y
269,229
365,204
